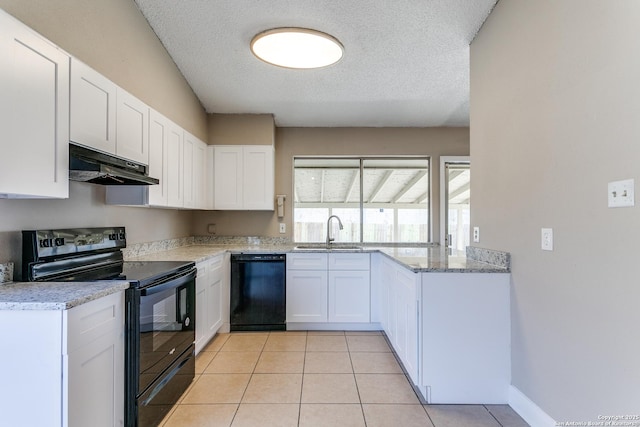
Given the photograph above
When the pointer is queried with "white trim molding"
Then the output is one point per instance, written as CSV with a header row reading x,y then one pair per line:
x,y
528,410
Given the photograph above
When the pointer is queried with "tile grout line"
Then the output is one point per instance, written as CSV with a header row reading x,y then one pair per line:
x,y
304,361
353,371
493,416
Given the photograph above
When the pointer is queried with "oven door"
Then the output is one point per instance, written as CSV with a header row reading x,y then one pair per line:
x,y
166,321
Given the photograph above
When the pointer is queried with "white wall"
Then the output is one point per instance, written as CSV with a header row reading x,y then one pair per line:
x,y
555,116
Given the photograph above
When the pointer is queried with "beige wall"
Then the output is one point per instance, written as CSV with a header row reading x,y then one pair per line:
x,y
291,142
241,129
112,37
555,102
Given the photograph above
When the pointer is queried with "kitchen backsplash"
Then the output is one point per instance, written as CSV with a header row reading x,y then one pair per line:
x,y
140,249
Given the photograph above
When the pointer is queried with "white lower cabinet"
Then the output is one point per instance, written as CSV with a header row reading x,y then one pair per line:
x,y
466,335
328,288
399,308
71,362
349,288
209,299
306,299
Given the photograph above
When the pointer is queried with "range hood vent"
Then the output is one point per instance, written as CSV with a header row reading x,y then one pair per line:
x,y
92,166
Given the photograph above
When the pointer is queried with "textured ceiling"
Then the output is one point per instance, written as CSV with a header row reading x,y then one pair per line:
x,y
406,62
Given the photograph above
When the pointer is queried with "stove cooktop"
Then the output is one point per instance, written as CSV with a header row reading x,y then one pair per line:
x,y
144,272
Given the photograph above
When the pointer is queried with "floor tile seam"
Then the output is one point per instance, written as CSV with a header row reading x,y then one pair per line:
x,y
493,416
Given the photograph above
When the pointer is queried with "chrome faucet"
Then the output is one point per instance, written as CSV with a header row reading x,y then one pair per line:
x,y
329,238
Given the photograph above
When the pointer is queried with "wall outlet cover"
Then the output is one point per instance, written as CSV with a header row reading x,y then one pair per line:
x,y
283,228
621,194
476,234
547,239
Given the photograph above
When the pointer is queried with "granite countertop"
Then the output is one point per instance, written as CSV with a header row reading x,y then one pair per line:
x,y
55,295
417,259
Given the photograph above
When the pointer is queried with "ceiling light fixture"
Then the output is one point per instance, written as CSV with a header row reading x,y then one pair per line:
x,y
297,48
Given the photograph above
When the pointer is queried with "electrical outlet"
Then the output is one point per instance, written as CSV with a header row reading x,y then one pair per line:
x,y
476,234
621,193
283,228
211,228
547,239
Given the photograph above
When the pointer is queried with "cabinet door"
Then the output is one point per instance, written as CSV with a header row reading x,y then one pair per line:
x,y
94,350
34,113
202,312
158,160
406,339
189,190
132,130
306,296
349,296
199,174
258,177
175,167
216,275
228,178
93,108
92,369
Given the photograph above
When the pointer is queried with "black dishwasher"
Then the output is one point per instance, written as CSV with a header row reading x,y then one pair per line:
x,y
258,292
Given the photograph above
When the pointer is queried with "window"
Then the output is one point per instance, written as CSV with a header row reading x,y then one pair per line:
x,y
378,200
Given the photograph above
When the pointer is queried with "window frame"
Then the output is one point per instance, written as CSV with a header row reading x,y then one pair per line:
x,y
429,200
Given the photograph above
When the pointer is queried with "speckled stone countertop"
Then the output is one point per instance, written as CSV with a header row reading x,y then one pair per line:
x,y
55,295
417,259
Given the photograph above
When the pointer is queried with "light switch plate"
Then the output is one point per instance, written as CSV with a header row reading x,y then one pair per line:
x,y
621,194
547,239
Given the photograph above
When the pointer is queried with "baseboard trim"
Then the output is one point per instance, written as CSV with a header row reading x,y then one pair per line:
x,y
528,410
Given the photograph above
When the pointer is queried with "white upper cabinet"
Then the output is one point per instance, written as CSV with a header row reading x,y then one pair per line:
x,y
195,177
227,169
132,128
258,177
200,181
93,108
34,114
159,128
188,154
244,177
107,117
175,166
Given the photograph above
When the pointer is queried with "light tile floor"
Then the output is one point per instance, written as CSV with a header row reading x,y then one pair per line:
x,y
314,379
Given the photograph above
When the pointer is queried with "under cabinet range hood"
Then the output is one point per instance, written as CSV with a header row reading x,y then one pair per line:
x,y
92,166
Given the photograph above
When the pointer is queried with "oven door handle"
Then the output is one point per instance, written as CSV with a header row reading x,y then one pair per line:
x,y
172,283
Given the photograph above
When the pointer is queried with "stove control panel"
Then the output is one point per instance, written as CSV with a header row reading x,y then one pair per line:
x,y
42,244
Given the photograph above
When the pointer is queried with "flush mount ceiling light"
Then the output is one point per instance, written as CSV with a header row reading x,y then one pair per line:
x,y
297,48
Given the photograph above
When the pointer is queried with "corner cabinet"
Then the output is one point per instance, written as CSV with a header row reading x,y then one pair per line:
x,y
244,177
34,114
71,362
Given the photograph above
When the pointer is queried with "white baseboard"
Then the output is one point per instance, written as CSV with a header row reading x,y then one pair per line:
x,y
528,410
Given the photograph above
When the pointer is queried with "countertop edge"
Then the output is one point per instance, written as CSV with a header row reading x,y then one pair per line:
x,y
49,296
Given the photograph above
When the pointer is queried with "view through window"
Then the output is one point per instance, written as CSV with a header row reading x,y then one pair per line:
x,y
378,200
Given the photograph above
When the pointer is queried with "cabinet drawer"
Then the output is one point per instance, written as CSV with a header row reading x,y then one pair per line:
x,y
348,261
308,261
89,321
